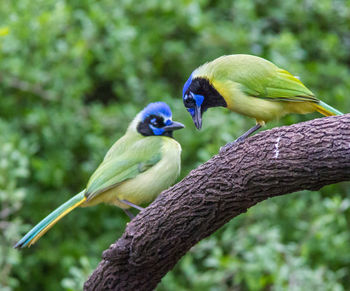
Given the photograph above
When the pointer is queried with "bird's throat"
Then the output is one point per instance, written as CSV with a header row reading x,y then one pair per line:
x,y
212,98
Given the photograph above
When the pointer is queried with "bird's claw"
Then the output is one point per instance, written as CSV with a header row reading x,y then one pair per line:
x,y
230,144
240,139
224,148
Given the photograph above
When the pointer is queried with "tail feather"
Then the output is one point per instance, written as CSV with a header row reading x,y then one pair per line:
x,y
326,110
43,226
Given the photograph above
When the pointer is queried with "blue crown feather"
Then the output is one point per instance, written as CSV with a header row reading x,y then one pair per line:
x,y
187,84
156,108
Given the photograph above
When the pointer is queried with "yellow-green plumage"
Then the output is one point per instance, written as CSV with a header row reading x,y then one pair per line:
x,y
145,168
255,87
136,169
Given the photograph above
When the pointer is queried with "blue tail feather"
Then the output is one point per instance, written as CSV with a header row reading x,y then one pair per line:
x,y
47,220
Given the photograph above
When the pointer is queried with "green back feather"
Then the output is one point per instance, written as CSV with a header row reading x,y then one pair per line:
x,y
256,77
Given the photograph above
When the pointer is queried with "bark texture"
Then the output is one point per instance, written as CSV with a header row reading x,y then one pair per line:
x,y
283,160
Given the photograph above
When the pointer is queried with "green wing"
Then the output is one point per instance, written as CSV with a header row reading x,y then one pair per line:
x,y
137,159
260,78
283,86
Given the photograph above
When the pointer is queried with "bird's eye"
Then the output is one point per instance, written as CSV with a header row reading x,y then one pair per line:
x,y
189,101
157,122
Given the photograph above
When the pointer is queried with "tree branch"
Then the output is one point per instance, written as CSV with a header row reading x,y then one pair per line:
x,y
283,160
35,89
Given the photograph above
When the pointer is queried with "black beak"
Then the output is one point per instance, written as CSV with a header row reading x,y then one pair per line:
x,y
197,118
174,126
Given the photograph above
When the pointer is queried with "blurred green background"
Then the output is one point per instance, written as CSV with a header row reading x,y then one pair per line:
x,y
72,76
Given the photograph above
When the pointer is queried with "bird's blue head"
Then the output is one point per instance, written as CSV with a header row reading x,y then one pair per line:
x,y
198,95
193,103
156,119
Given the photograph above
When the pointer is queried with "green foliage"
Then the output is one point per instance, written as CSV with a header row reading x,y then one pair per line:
x,y
72,76
304,248
13,168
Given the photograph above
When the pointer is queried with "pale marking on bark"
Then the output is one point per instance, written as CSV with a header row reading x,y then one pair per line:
x,y
277,152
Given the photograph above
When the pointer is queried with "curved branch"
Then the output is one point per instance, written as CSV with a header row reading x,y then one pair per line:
x,y
307,155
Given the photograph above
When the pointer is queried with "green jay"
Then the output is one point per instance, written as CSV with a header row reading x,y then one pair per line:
x,y
250,86
141,164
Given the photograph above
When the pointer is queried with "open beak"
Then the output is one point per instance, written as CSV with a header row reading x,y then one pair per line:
x,y
174,126
197,117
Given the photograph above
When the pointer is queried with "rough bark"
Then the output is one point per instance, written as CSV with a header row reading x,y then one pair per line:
x,y
283,160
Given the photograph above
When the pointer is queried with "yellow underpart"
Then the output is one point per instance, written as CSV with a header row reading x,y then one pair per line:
x,y
52,223
224,89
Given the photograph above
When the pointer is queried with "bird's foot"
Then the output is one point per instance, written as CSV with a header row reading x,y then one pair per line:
x,y
132,204
238,140
241,138
230,144
129,213
226,147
